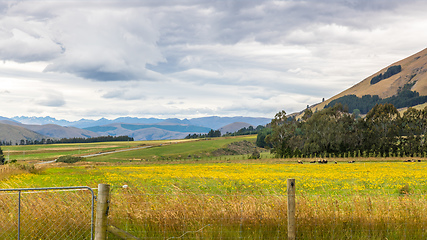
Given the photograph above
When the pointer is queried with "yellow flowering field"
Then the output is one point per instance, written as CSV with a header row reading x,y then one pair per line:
x,y
248,200
254,178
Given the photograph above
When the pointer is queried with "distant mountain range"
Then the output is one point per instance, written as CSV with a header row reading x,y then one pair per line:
x,y
213,122
12,129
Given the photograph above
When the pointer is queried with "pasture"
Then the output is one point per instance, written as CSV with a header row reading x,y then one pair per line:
x,y
168,193
46,152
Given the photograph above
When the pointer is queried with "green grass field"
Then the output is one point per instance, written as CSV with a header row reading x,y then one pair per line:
x,y
52,151
160,150
173,150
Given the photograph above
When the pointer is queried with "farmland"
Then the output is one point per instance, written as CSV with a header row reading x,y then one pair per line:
x,y
233,197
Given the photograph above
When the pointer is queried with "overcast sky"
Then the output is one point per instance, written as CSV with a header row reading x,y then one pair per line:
x,y
186,59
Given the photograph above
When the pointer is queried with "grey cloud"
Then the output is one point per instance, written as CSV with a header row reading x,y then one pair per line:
x,y
117,41
103,44
229,22
20,43
107,46
125,94
52,99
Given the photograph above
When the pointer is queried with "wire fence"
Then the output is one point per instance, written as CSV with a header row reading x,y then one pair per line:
x,y
46,213
66,214
260,216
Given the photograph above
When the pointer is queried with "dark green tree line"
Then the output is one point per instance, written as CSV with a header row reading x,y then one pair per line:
x,y
334,132
2,159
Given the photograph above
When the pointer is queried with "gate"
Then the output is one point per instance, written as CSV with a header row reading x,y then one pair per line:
x,y
47,213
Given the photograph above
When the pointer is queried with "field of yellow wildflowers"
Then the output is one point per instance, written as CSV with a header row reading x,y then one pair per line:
x,y
369,200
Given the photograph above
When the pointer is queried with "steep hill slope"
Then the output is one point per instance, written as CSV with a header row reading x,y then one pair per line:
x,y
413,72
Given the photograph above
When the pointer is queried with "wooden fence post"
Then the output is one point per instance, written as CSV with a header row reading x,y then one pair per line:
x,y
102,211
292,227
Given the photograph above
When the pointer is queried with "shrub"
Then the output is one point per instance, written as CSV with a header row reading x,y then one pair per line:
x,y
12,161
255,155
69,159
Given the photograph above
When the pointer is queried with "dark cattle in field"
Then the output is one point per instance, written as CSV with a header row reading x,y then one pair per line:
x,y
352,161
323,161
413,160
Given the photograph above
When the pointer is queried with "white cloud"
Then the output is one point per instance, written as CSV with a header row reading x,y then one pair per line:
x,y
51,99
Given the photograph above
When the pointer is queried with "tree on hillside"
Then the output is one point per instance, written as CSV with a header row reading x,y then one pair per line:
x,y
2,159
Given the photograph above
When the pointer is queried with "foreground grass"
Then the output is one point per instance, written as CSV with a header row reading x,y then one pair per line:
x,y
377,200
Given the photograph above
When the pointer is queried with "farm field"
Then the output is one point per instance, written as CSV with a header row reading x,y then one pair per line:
x,y
232,198
175,150
46,152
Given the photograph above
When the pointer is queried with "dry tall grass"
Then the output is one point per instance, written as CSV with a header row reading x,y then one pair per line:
x,y
264,217
44,214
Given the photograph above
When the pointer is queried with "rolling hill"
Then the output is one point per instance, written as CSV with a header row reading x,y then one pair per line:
x,y
48,131
157,131
15,134
234,127
409,73
138,128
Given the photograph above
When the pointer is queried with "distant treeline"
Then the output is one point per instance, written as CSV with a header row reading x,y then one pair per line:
x,y
70,140
212,133
246,131
404,98
333,132
217,133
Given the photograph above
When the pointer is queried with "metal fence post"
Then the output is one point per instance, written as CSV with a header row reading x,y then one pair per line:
x,y
102,211
292,227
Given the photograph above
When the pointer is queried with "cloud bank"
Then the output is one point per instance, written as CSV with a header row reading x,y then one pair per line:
x,y
195,58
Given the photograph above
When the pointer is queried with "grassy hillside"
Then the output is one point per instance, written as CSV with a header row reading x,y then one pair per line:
x,y
414,70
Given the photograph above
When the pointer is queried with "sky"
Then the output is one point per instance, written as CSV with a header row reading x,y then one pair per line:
x,y
188,59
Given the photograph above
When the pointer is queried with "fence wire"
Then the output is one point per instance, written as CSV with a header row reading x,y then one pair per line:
x,y
206,216
49,214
